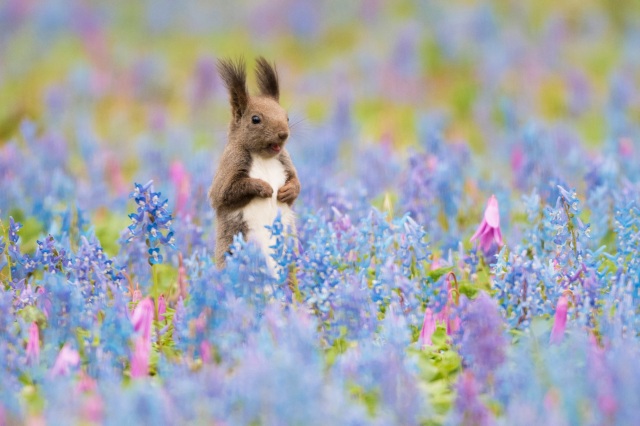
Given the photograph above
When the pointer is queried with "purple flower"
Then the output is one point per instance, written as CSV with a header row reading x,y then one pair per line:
x,y
482,345
469,409
489,229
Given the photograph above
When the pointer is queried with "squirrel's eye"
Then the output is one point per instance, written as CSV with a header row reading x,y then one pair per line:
x,y
255,119
287,118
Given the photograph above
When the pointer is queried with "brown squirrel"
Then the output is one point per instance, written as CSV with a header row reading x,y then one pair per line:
x,y
255,178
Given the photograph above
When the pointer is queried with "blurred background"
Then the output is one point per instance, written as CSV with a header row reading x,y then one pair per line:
x,y
377,65
119,91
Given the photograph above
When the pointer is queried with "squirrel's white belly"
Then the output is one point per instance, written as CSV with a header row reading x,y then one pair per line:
x,y
261,212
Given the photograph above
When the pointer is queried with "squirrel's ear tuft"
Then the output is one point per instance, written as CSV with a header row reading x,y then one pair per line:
x,y
267,78
234,75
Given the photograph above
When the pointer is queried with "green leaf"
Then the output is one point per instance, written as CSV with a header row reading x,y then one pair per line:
x,y
437,273
369,397
32,314
339,346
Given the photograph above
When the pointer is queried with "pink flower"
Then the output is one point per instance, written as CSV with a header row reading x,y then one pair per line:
x,y
445,316
625,148
560,320
142,317
489,229
162,307
33,345
93,409
182,182
428,327
517,159
140,358
136,295
142,320
86,383
66,359
205,352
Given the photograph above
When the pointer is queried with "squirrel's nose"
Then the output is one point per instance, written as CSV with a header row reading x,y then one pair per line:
x,y
283,135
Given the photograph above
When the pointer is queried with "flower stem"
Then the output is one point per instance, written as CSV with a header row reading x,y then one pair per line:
x,y
154,274
572,229
5,233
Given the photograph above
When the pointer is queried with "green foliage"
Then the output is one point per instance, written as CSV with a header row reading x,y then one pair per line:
x,y
31,314
339,346
107,227
369,398
165,280
439,365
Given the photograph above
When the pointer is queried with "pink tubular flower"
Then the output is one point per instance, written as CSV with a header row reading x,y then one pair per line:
x,y
142,317
142,320
140,358
66,359
445,316
489,229
136,295
33,345
205,352
162,307
560,319
428,328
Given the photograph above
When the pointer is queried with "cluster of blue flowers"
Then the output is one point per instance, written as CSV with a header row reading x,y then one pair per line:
x,y
151,218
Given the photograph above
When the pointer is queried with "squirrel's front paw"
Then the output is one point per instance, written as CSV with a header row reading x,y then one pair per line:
x,y
287,194
264,189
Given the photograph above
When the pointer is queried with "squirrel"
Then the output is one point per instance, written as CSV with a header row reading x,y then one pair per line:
x,y
256,177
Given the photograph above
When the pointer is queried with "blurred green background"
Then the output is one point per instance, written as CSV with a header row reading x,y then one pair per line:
x,y
129,64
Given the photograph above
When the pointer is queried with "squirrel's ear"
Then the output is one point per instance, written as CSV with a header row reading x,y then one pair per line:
x,y
234,75
267,78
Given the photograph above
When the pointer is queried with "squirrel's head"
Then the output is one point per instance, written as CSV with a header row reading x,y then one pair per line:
x,y
258,123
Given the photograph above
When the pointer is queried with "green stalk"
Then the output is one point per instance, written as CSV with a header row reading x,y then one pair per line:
x,y
5,233
154,275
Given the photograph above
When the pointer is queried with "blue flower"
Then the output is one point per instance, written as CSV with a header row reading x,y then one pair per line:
x,y
136,218
168,240
140,189
154,256
14,228
152,233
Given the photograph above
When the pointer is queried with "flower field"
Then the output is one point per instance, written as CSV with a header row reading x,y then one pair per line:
x,y
468,230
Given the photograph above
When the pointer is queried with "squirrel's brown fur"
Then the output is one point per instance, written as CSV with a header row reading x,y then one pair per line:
x,y
232,187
